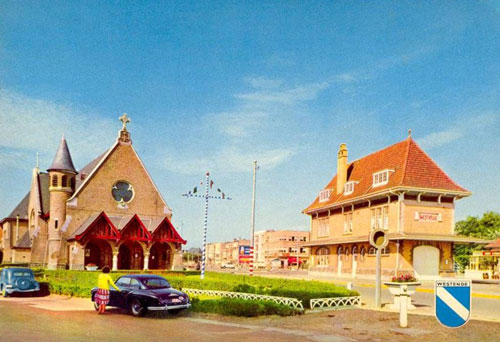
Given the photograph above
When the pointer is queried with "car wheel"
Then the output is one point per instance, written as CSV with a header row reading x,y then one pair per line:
x,y
136,308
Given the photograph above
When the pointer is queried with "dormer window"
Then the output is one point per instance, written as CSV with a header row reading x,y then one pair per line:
x,y
349,188
324,195
381,178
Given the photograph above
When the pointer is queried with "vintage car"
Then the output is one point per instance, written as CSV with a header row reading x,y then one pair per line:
x,y
145,292
17,279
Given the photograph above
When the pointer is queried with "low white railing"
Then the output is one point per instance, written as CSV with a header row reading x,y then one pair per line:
x,y
334,302
292,302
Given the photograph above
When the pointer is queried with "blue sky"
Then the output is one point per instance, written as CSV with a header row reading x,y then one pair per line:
x,y
216,85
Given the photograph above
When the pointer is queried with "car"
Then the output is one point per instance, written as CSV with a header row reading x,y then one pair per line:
x,y
228,265
145,292
17,279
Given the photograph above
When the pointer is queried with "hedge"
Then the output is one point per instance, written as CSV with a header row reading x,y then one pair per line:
x,y
79,283
241,307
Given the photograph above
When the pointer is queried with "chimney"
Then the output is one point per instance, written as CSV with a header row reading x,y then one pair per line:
x,y
341,168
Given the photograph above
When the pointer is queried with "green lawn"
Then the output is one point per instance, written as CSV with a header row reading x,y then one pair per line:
x,y
79,283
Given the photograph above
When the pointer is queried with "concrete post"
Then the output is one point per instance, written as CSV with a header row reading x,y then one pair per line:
x,y
115,261
403,310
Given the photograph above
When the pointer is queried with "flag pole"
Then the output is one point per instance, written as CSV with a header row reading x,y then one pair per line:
x,y
202,276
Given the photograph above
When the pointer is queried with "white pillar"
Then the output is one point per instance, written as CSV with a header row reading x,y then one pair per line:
x,y
115,261
146,261
403,310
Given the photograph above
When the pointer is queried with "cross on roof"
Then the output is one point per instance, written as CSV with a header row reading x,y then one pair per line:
x,y
124,119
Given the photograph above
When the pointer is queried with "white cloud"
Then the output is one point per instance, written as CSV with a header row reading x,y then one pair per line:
x,y
288,96
263,82
32,125
230,159
459,130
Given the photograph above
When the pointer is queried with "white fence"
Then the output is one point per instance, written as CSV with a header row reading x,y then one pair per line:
x,y
292,302
318,303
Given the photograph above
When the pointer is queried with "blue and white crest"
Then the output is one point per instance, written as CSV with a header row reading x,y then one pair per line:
x,y
452,300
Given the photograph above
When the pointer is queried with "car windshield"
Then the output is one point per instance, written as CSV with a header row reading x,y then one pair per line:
x,y
21,274
155,283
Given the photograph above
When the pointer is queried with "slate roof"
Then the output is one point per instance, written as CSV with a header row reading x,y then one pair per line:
x,y
62,160
410,167
24,241
21,209
43,182
87,170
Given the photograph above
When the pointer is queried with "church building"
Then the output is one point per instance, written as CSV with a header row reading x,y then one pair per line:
x,y
399,189
109,213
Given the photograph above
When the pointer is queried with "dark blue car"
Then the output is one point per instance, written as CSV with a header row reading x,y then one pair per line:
x,y
146,292
18,279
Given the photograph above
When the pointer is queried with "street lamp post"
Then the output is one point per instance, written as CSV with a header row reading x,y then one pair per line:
x,y
255,168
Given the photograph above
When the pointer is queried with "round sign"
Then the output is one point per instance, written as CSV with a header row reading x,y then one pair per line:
x,y
379,239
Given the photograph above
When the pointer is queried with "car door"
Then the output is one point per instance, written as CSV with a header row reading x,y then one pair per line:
x,y
117,298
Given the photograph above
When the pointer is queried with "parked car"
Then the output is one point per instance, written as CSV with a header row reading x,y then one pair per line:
x,y
17,279
228,265
145,292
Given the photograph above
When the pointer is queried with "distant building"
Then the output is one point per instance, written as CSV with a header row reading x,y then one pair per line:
x,y
280,248
399,189
219,253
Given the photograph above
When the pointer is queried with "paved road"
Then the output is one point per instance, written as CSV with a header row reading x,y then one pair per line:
x,y
58,318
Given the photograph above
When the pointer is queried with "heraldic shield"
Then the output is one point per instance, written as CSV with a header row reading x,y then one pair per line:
x,y
452,299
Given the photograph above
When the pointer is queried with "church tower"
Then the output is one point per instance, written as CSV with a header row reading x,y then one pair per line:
x,y
61,187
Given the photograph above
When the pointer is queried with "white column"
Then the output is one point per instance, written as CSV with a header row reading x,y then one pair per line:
x,y
146,261
115,261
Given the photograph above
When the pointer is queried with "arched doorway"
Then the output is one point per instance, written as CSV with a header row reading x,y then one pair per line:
x,y
130,256
426,262
339,260
98,252
160,256
354,261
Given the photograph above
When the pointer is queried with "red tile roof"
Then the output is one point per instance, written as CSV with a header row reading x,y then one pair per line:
x,y
495,244
410,167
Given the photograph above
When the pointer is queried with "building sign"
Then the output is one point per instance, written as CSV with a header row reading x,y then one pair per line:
x,y
427,217
452,302
244,254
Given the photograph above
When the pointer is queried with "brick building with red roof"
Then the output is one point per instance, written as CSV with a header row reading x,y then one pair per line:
x,y
399,189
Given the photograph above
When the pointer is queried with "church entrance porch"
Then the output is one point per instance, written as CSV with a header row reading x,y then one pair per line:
x,y
130,256
98,252
160,257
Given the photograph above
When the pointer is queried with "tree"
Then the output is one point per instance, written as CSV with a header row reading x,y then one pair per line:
x,y
487,227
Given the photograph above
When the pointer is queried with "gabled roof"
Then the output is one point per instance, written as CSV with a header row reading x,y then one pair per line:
x,y
62,160
409,167
87,170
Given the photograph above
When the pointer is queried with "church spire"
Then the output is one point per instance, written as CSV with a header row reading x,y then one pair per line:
x,y
62,160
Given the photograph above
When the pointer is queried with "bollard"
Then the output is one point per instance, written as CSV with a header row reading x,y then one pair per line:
x,y
403,307
349,285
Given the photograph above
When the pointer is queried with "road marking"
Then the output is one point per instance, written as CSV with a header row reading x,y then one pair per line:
x,y
453,303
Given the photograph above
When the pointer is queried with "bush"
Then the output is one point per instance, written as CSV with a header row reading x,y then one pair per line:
x,y
241,307
80,283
